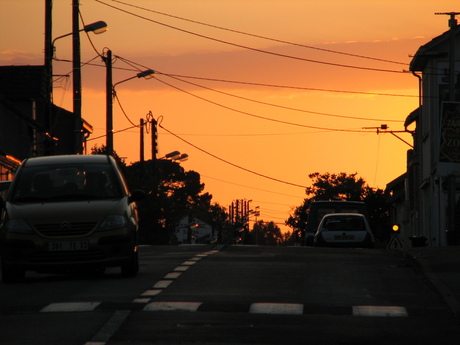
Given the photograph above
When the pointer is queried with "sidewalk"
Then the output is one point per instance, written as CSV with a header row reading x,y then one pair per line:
x,y
441,267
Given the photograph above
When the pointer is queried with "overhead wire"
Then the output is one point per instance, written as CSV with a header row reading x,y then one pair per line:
x,y
260,36
230,163
276,105
291,87
252,48
250,187
261,117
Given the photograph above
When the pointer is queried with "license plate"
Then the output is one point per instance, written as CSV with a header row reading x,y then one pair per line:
x,y
68,246
344,238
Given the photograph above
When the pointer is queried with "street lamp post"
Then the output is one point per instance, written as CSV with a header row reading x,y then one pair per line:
x,y
96,27
110,94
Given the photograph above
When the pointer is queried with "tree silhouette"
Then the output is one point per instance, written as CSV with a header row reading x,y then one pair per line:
x,y
346,187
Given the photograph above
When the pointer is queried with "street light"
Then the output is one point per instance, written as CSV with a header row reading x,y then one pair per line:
x,y
110,93
96,27
176,156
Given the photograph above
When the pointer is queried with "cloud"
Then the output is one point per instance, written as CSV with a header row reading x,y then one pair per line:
x,y
19,57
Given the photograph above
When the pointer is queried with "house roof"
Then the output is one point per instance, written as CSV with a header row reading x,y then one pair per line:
x,y
437,47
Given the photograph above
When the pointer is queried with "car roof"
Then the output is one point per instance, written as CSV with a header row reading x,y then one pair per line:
x,y
344,214
66,159
337,202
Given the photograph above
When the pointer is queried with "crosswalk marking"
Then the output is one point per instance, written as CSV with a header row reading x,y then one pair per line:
x,y
70,307
172,306
379,311
276,308
252,308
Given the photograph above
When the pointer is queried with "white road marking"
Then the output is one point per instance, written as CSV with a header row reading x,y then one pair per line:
x,y
152,292
142,300
172,306
276,308
70,307
372,310
172,275
189,263
181,268
162,284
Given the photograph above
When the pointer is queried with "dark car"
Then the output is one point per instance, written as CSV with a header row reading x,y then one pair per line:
x,y
69,213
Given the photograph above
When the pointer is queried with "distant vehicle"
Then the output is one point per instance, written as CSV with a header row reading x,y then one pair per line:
x,y
318,209
344,229
68,213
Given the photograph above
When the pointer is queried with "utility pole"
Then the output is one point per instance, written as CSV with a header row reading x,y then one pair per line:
x,y
76,64
141,149
154,139
109,103
49,65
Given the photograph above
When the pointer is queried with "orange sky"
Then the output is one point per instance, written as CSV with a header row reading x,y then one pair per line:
x,y
282,118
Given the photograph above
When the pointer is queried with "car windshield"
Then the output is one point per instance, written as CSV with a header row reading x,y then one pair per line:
x,y
66,182
344,223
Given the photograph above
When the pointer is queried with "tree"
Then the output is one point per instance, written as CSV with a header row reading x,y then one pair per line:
x,y
347,187
336,187
268,234
102,150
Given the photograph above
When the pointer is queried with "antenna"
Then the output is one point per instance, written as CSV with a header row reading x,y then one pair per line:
x,y
452,20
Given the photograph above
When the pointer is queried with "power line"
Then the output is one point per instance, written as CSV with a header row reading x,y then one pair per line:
x,y
258,116
290,87
252,48
232,164
250,187
262,37
263,84
279,106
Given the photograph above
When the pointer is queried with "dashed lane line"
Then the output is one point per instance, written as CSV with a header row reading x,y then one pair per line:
x,y
276,308
379,311
172,306
161,285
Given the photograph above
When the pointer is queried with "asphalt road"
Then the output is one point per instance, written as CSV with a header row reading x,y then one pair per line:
x,y
232,295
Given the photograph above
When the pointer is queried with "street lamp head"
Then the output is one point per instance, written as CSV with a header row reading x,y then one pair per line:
x,y
182,158
96,27
172,155
146,74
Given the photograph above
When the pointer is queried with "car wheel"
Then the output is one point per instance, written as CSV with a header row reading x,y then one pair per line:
x,y
12,274
130,268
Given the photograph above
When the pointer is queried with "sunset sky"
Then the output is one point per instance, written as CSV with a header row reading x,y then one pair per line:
x,y
258,93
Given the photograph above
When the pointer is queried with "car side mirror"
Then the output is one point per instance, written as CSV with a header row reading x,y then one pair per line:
x,y
136,195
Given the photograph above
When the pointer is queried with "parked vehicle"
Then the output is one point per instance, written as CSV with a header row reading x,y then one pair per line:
x,y
318,209
344,229
68,213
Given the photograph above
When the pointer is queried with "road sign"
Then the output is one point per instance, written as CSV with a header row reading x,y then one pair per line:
x,y
395,242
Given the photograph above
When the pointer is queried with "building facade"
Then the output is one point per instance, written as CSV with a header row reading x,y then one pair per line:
x,y
426,198
29,124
